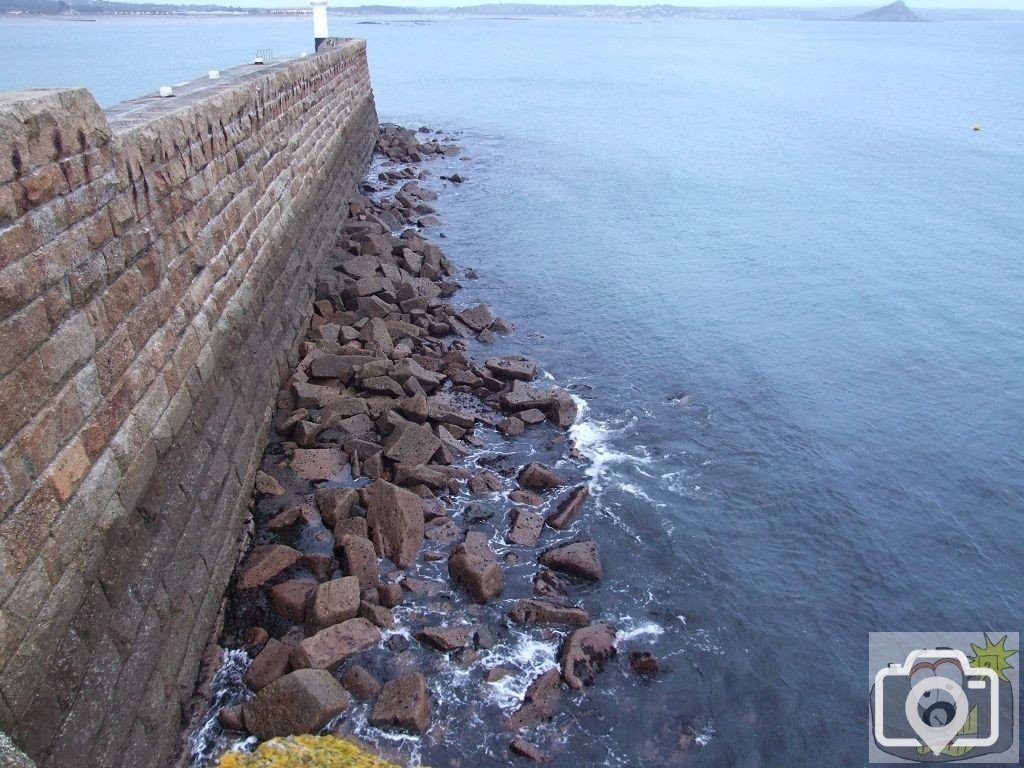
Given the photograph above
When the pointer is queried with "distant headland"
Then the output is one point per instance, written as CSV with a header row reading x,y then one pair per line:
x,y
897,11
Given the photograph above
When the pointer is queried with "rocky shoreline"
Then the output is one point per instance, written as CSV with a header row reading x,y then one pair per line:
x,y
369,488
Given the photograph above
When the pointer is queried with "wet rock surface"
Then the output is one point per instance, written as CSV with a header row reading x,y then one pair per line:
x,y
300,702
403,703
585,652
415,470
540,702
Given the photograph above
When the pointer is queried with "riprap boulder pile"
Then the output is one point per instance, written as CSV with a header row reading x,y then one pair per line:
x,y
365,484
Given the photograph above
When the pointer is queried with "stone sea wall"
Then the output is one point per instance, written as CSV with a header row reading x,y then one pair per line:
x,y
157,265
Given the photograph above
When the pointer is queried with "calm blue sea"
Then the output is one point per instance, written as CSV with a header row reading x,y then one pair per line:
x,y
788,280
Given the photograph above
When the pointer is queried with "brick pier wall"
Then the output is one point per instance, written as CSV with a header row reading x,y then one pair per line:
x,y
156,272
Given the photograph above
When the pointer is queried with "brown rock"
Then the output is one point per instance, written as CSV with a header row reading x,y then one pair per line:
x,y
377,614
584,653
547,612
313,395
579,558
255,638
526,497
643,663
270,664
568,509
284,519
358,426
305,433
510,368
289,598
390,595
360,683
334,602
344,406
376,332
373,467
540,702
442,530
538,476
411,444
477,318
525,749
265,562
473,566
365,266
352,526
523,396
427,587
403,703
268,485
395,519
420,475
382,385
334,504
359,559
415,408
445,638
512,426
500,325
428,380
526,527
325,332
300,702
231,718
285,424
563,410
531,416
317,463
495,674
485,482
320,565
376,306
330,647
547,584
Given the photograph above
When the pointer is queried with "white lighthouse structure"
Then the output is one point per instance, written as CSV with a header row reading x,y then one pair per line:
x,y
319,22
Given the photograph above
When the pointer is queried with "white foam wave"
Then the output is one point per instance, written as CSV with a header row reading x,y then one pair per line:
x,y
705,735
525,657
227,686
634,490
594,440
647,628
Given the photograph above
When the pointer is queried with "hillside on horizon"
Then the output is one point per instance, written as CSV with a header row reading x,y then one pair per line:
x,y
897,11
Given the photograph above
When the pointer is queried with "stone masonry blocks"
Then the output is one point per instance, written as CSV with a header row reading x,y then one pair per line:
x,y
155,276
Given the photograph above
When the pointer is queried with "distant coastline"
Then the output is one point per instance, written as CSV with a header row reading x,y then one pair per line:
x,y
510,11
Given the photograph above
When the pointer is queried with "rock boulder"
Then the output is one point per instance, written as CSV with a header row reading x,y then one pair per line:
x,y
540,702
331,646
473,566
300,702
395,520
584,653
579,558
403,703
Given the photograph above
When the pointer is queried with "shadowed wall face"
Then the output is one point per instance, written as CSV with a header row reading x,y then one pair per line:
x,y
156,272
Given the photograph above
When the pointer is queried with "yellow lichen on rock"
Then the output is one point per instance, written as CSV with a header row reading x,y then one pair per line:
x,y
305,752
